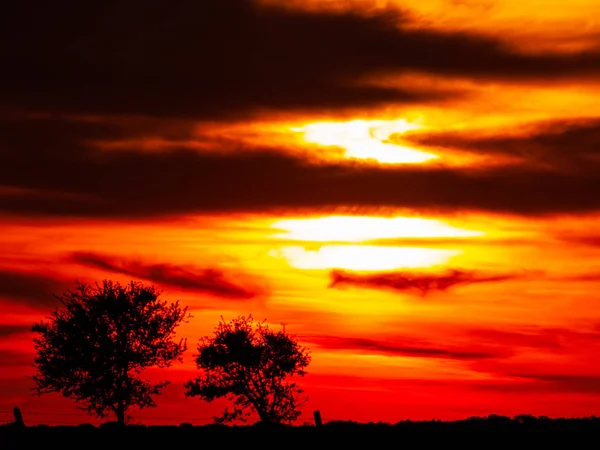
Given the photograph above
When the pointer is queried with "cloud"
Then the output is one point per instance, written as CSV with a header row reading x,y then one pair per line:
x,y
558,378
396,347
214,281
130,183
413,282
547,382
592,277
532,339
559,145
553,339
218,58
591,239
10,330
109,64
29,288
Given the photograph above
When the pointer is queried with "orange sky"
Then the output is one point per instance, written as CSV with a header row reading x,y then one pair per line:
x,y
411,187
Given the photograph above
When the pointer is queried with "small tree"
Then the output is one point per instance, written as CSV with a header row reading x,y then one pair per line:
x,y
250,366
95,348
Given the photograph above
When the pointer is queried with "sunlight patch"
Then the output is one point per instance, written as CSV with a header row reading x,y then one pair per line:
x,y
363,257
357,229
366,139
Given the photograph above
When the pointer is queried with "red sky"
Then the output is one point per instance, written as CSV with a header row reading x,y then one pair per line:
x,y
412,187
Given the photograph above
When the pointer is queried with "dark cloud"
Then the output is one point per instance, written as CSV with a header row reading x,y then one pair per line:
x,y
571,146
51,155
396,348
10,330
213,281
554,382
29,288
225,58
414,282
213,58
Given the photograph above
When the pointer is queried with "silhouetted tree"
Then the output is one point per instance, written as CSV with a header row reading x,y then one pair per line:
x,y
95,347
250,365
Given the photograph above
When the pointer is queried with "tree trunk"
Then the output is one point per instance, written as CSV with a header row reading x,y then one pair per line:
x,y
121,415
264,417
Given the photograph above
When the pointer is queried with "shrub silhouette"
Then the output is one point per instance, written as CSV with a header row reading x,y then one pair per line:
x,y
95,348
250,365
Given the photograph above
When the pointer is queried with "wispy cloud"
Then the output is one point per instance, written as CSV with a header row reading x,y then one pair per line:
x,y
396,346
552,339
415,282
10,330
541,144
546,383
208,280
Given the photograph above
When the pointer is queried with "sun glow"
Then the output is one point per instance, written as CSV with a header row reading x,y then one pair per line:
x,y
366,139
363,257
358,229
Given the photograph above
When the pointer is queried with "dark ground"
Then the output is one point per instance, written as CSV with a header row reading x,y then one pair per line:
x,y
484,433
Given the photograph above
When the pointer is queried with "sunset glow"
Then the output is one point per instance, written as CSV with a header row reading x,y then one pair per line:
x,y
364,257
412,188
356,229
366,140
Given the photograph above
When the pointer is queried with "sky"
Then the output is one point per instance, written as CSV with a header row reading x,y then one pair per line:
x,y
412,188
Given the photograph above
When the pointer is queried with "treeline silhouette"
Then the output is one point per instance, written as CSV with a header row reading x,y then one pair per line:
x,y
486,432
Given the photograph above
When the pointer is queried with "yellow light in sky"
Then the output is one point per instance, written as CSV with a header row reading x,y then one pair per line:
x,y
357,229
363,257
366,139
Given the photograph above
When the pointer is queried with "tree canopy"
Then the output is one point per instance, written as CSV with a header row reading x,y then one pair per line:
x,y
251,365
96,346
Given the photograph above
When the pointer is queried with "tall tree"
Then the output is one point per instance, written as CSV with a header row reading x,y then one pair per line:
x,y
250,365
95,348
